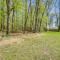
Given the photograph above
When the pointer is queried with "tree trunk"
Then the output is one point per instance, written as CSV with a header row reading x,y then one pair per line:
x,y
36,15
2,17
26,16
13,17
8,14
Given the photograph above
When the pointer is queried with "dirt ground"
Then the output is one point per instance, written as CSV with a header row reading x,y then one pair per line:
x,y
17,38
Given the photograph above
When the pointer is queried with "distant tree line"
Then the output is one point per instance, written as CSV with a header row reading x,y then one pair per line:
x,y
25,15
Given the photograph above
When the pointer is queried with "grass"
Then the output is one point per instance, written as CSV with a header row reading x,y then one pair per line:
x,y
45,47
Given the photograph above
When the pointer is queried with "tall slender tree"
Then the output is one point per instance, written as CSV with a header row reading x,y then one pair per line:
x,y
36,15
8,14
13,15
26,15
2,16
59,17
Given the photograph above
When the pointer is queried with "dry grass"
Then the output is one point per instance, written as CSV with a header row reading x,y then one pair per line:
x,y
44,46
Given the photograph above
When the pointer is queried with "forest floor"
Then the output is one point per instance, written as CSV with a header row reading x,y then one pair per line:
x,y
17,38
31,46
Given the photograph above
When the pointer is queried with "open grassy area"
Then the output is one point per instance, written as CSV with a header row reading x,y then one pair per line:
x,y
38,47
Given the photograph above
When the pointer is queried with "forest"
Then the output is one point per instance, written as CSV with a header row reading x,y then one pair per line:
x,y
29,29
28,15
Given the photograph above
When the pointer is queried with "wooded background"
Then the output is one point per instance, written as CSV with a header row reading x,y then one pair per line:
x,y
28,15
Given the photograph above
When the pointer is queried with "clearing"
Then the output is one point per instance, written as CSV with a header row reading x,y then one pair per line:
x,y
43,46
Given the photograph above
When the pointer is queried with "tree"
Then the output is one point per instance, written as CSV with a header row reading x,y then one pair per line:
x,y
59,17
2,15
8,14
36,15
13,15
26,15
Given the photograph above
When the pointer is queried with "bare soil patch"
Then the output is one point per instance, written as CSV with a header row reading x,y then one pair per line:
x,y
17,38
